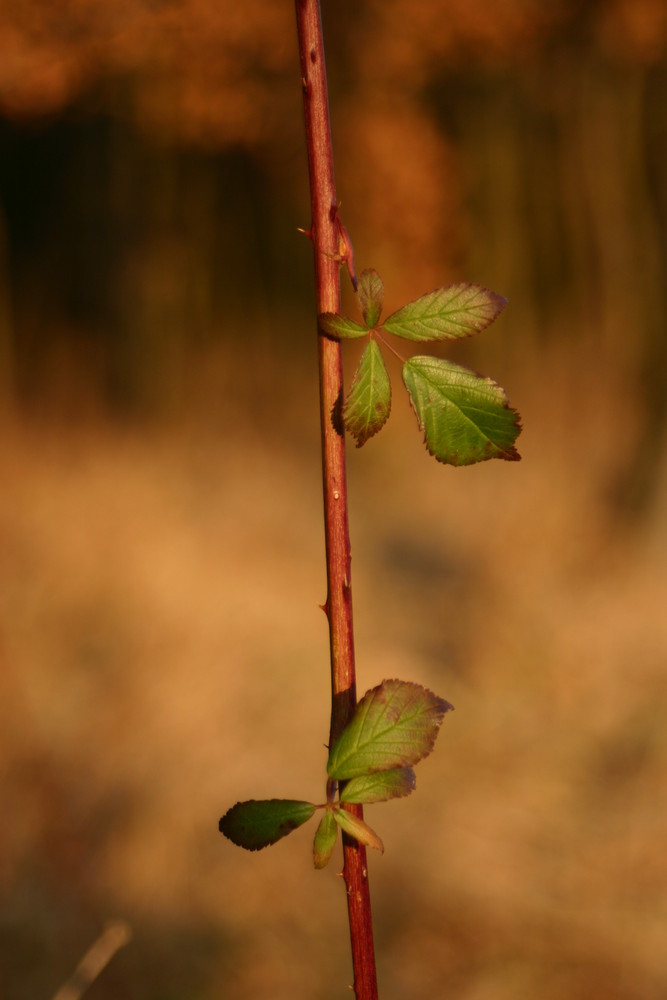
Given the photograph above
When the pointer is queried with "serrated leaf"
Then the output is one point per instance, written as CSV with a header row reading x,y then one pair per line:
x,y
379,786
371,295
368,402
325,839
258,823
394,725
355,827
465,418
340,326
447,313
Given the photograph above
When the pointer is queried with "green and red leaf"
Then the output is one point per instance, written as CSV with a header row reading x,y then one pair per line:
x,y
465,418
258,823
335,325
447,313
368,402
371,296
379,786
394,725
355,827
325,839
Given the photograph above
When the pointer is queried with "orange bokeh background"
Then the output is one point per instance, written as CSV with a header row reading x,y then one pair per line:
x,y
162,652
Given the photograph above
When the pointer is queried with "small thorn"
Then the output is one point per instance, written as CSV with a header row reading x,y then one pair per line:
x,y
306,232
324,607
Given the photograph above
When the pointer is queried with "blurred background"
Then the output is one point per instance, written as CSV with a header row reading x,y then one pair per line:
x,y
162,653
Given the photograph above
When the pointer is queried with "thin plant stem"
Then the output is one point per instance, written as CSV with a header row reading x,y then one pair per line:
x,y
114,936
326,233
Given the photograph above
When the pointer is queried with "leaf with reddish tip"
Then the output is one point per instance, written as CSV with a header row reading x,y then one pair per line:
x,y
447,313
325,839
371,296
356,828
379,786
341,327
258,823
368,403
394,725
465,418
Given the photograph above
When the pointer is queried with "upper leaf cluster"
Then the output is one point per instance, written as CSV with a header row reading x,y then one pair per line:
x,y
465,418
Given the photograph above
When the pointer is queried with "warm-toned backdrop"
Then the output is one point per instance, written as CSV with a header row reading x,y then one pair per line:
x,y
162,652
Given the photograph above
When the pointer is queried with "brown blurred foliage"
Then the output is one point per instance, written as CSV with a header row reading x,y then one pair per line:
x,y
194,71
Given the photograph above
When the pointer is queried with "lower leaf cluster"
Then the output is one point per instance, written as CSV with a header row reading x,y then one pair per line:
x,y
394,726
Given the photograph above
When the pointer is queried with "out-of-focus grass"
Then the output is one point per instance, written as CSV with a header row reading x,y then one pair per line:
x,y
163,655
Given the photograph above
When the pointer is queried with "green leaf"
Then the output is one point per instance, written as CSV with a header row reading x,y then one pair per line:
x,y
325,839
465,418
355,827
447,313
258,823
379,786
371,296
340,326
369,401
394,725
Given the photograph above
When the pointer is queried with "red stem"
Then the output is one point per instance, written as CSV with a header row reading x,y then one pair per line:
x,y
325,232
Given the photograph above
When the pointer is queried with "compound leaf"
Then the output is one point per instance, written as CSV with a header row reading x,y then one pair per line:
x,y
447,313
371,296
394,725
356,828
379,786
465,418
325,839
336,325
369,401
258,823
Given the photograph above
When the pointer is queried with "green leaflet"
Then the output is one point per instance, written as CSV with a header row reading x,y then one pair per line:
x,y
447,313
258,823
465,418
368,403
394,725
340,326
325,839
371,296
356,828
379,786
